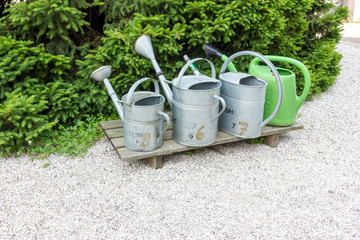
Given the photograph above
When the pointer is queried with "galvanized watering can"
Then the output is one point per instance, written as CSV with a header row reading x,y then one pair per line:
x,y
245,97
194,100
291,102
142,113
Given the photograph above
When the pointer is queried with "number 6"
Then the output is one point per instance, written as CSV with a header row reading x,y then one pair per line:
x,y
199,134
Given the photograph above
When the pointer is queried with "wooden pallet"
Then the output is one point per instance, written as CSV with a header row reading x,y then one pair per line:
x,y
114,131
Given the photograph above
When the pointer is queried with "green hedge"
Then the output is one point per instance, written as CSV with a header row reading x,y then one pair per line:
x,y
305,30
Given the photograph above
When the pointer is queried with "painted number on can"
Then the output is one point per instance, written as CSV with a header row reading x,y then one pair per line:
x,y
199,134
244,127
146,139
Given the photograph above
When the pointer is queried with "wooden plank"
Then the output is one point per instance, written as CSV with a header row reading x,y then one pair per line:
x,y
107,136
111,124
118,142
270,130
114,132
169,146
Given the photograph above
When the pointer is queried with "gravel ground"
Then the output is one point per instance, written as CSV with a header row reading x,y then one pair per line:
x,y
306,188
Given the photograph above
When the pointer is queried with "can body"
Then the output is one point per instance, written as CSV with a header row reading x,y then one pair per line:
x,y
143,125
195,114
195,125
143,136
244,105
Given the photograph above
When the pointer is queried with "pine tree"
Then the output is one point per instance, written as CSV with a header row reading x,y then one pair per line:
x,y
52,22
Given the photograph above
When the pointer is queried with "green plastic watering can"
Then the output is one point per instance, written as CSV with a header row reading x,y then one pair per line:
x,y
291,102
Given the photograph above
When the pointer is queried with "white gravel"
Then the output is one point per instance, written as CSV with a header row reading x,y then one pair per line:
x,y
306,188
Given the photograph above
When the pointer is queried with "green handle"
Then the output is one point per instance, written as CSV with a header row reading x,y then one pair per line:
x,y
300,99
231,66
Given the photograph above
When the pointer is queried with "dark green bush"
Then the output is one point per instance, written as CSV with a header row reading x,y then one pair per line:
x,y
305,30
37,91
34,72
21,121
56,23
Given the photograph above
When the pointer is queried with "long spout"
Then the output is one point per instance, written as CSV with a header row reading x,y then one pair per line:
x,y
161,77
114,98
144,47
102,74
211,51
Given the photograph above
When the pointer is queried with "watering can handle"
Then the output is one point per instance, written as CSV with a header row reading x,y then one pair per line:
x,y
273,69
186,66
167,118
223,104
307,82
136,84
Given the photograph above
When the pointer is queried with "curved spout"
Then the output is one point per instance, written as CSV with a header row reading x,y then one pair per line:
x,y
144,47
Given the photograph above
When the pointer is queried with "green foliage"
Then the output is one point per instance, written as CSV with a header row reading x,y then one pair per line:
x,y
46,165
306,30
4,5
34,72
23,66
259,140
127,65
196,151
118,13
71,140
318,52
21,122
56,23
35,92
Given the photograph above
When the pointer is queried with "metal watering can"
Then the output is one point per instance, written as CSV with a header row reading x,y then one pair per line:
x,y
244,95
142,113
194,100
291,102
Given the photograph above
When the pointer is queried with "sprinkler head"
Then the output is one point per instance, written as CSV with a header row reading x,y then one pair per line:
x,y
144,47
212,51
101,73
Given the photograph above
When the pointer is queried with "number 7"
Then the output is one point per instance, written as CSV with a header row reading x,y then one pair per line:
x,y
244,128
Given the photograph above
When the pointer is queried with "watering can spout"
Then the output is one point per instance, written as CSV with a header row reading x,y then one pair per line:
x,y
211,51
143,46
102,74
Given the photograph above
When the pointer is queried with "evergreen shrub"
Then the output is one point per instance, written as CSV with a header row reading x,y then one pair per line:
x,y
306,30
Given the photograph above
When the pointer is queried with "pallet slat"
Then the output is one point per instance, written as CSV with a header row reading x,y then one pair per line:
x,y
114,132
111,124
